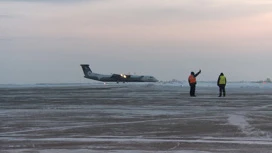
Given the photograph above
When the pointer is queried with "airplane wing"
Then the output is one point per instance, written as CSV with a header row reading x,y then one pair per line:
x,y
120,76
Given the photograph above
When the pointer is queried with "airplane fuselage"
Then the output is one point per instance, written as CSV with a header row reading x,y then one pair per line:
x,y
115,77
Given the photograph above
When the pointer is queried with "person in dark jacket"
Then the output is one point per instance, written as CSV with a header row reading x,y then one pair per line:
x,y
192,82
221,83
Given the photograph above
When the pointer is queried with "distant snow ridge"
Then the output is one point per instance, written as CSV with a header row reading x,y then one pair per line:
x,y
245,85
241,122
113,151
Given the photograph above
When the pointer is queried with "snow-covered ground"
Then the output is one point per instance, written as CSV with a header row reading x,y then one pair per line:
x,y
121,118
159,84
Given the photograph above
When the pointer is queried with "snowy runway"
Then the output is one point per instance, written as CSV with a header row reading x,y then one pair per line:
x,y
134,118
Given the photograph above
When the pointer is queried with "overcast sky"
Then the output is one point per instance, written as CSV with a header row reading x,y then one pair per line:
x,y
45,41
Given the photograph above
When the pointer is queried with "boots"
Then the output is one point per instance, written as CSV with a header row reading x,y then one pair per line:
x,y
224,95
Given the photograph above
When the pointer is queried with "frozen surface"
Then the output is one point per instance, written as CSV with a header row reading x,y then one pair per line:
x,y
132,118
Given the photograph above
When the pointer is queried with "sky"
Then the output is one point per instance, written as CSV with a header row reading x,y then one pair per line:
x,y
45,41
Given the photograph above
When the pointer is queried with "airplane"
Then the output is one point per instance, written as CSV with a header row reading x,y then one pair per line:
x,y
115,77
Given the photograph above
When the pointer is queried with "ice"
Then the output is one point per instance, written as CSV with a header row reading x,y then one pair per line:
x,y
109,151
135,118
241,122
167,84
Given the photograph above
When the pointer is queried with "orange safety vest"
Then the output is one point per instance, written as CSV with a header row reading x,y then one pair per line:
x,y
192,79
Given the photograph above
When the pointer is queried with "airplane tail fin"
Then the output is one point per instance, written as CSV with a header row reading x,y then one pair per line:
x,y
86,69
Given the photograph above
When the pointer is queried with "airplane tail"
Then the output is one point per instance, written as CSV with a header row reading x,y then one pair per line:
x,y
86,69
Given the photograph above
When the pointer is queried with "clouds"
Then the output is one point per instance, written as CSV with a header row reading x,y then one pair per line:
x,y
181,34
141,21
47,1
185,10
3,16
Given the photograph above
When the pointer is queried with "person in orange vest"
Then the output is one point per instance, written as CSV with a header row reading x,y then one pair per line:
x,y
221,83
192,82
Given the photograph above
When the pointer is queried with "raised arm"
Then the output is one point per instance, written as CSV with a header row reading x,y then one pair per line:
x,y
197,73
